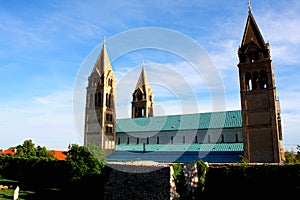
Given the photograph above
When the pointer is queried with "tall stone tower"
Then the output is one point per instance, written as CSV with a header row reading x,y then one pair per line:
x,y
142,103
100,117
260,106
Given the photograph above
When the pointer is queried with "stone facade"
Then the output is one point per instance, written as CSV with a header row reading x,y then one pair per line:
x,y
138,181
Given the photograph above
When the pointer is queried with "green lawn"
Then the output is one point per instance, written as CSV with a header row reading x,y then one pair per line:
x,y
25,193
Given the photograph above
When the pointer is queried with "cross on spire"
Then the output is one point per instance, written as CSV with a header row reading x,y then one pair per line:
x,y
249,6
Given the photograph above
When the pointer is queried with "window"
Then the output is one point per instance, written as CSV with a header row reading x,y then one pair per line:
x,y
248,79
106,100
139,95
110,82
196,139
119,140
222,138
157,140
98,99
109,117
236,137
108,129
128,140
183,139
147,140
172,139
264,79
255,80
137,140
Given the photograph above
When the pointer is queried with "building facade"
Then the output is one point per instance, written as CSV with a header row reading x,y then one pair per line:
x,y
254,132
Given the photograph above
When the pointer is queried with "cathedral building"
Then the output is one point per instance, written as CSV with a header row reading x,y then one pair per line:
x,y
253,133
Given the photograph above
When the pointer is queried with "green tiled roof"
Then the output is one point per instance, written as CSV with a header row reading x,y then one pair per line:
x,y
226,119
182,147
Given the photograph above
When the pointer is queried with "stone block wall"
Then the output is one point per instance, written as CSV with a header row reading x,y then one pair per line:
x,y
137,181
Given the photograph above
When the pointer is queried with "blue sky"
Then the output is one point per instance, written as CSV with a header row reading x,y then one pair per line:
x,y
45,43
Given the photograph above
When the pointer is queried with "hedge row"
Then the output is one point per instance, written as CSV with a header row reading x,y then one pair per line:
x,y
233,180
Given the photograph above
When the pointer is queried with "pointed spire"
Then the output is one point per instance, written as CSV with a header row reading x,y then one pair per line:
x,y
252,32
103,62
143,81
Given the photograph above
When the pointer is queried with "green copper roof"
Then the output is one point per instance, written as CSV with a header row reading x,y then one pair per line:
x,y
182,147
210,120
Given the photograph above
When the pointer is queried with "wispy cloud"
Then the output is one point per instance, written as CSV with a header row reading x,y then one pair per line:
x,y
47,120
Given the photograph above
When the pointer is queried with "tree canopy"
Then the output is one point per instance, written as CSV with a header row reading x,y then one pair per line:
x,y
85,161
28,150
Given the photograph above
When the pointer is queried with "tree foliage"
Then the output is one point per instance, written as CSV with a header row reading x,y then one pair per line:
x,y
28,150
83,162
292,157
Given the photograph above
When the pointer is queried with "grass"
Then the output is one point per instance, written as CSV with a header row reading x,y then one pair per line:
x,y
23,194
28,192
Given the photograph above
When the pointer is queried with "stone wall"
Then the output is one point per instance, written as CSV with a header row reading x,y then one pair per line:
x,y
138,180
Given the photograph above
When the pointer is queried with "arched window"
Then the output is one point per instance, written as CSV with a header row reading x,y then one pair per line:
x,y
255,81
248,79
102,79
143,112
98,99
107,100
139,95
264,79
95,82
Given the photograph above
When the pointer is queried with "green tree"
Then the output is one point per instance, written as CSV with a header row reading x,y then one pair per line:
x,y
28,150
97,152
43,152
83,163
290,157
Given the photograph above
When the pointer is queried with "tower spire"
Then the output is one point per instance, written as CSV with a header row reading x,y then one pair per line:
x,y
142,103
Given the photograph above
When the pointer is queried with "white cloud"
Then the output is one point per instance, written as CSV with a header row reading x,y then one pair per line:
x,y
47,120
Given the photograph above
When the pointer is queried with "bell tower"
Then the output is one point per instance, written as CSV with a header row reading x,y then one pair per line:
x,y
260,106
100,116
142,103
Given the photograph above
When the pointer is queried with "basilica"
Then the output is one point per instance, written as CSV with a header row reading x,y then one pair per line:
x,y
252,133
